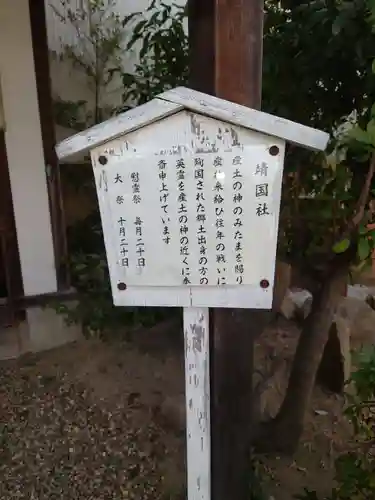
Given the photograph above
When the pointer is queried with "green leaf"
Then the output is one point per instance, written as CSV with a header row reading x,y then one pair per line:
x,y
337,25
364,248
371,130
129,18
152,5
341,246
359,135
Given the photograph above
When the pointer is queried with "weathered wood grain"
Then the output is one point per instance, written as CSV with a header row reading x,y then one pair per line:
x,y
243,116
197,403
117,126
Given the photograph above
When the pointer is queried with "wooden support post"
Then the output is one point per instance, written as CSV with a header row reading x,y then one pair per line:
x,y
197,398
201,35
239,51
230,33
201,45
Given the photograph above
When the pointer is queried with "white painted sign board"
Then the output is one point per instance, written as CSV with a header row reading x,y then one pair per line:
x,y
189,190
196,220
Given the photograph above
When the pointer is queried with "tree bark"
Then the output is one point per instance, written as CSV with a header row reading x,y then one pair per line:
x,y
283,433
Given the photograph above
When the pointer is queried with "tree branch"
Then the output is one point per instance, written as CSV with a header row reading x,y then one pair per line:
x,y
363,198
349,230
352,226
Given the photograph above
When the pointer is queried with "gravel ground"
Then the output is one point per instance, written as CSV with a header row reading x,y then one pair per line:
x,y
85,422
57,442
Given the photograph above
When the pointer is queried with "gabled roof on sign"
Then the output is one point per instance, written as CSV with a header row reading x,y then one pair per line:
x,y
247,117
176,100
115,127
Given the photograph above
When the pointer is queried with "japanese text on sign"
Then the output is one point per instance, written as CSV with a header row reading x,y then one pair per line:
x,y
194,220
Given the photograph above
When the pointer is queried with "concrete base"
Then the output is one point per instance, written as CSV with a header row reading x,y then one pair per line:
x,y
13,341
48,330
43,330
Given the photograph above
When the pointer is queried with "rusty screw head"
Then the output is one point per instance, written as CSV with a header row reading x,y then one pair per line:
x,y
103,160
264,284
274,150
121,286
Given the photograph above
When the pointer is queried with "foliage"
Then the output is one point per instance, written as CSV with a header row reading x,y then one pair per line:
x,y
98,47
355,470
163,64
327,202
321,193
70,114
331,67
89,273
329,88
163,51
326,218
257,480
99,37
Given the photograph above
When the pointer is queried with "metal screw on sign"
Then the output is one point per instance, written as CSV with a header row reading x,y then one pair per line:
x,y
264,284
274,150
102,160
121,287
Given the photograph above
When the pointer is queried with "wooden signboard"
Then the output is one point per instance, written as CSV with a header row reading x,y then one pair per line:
x,y
178,227
189,190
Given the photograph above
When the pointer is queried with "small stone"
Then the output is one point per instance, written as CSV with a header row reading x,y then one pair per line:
x,y
321,412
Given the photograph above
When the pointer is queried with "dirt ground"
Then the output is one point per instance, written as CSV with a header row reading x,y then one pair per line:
x,y
89,420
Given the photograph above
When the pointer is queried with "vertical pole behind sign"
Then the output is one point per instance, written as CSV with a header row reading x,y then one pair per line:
x,y
226,60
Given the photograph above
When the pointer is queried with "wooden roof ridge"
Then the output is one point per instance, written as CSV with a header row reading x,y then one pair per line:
x,y
173,101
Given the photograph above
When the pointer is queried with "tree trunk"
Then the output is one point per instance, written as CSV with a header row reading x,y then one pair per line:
x,y
282,434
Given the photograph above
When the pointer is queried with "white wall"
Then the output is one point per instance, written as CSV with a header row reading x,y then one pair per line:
x,y
69,83
24,149
59,34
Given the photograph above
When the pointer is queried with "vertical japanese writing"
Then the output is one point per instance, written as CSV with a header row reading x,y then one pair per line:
x,y
261,190
121,228
237,185
140,245
118,179
138,222
219,221
136,188
201,218
182,213
193,218
164,201
124,245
